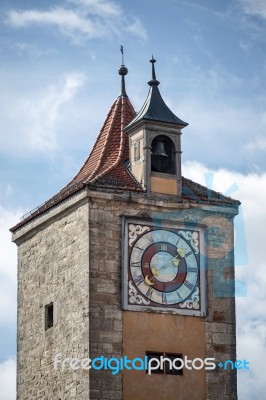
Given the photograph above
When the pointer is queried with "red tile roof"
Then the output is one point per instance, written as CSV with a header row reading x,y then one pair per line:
x,y
196,193
111,150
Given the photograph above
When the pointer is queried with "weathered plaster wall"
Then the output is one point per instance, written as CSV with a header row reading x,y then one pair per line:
x,y
111,329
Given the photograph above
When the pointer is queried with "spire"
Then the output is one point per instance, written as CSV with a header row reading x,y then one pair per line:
x,y
153,81
107,162
123,71
154,108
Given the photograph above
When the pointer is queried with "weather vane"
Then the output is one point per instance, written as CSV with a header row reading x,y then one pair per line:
x,y
122,52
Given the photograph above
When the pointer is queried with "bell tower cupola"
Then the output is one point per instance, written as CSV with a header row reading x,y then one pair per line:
x,y
154,143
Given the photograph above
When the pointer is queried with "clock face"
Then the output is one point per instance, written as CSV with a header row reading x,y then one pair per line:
x,y
163,268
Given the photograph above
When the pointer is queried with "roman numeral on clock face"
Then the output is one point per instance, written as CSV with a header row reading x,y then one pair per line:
x,y
149,292
179,297
164,298
150,238
189,285
138,279
135,264
192,269
139,248
163,247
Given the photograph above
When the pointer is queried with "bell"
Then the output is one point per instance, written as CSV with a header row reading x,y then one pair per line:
x,y
159,150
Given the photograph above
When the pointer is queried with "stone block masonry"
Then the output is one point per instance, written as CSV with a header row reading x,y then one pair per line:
x,y
53,268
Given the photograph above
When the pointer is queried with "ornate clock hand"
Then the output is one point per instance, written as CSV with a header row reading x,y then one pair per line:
x,y
155,273
174,260
148,281
181,252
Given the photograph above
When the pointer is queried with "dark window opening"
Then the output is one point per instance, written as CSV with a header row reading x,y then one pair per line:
x,y
157,356
49,316
177,368
163,155
169,363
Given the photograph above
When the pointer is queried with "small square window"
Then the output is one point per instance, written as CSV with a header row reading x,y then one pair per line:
x,y
157,356
170,363
49,316
176,364
137,150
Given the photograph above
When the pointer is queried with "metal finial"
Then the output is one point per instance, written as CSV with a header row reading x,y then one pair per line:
x,y
123,71
153,61
153,81
122,52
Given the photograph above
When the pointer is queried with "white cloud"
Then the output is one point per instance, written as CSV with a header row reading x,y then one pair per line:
x,y
8,266
245,46
6,191
137,28
251,320
258,143
33,50
221,127
99,7
8,290
69,22
254,7
207,120
45,111
88,19
8,379
251,384
38,114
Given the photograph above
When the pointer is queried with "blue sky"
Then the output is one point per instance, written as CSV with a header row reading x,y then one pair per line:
x,y
58,79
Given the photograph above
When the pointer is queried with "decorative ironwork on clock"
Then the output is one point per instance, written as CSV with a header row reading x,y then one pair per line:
x,y
162,269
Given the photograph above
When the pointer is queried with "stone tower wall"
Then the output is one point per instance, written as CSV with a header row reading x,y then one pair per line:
x,y
53,267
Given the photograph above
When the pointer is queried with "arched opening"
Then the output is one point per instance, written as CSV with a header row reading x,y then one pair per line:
x,y
163,155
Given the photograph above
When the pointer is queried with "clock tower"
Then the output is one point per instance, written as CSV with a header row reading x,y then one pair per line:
x,y
130,264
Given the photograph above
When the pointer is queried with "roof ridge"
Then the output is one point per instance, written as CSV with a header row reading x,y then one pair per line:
x,y
104,146
95,145
125,102
211,194
203,187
